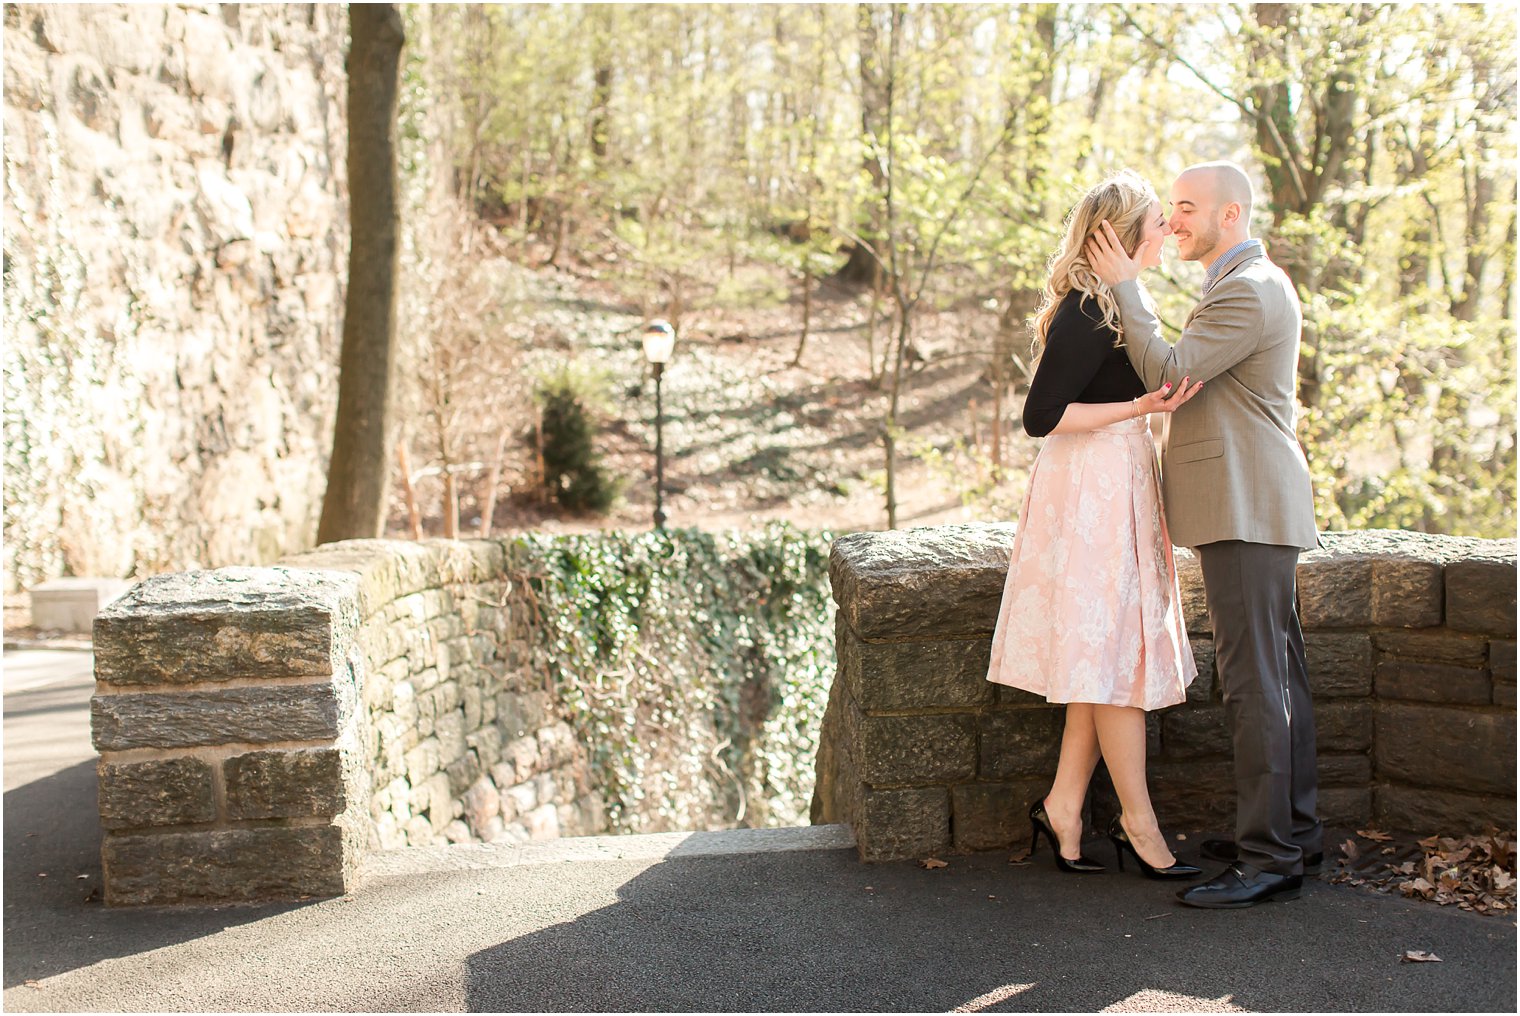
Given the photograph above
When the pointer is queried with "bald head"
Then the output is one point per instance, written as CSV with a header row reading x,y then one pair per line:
x,y
1211,210
1227,182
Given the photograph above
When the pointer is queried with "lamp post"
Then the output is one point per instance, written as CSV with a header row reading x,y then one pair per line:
x,y
659,341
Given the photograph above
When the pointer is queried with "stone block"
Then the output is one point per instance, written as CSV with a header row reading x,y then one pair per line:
x,y
992,816
224,865
1501,661
70,604
1022,743
1443,812
1446,747
1480,596
449,729
1193,794
1203,688
457,832
939,582
897,824
1334,593
1437,645
1339,664
556,746
1346,806
161,792
1432,682
1343,726
486,743
1406,593
916,675
542,823
423,761
524,797
522,753
1018,698
1354,770
437,800
462,772
896,750
192,627
284,784
1196,732
419,831
1195,604
258,715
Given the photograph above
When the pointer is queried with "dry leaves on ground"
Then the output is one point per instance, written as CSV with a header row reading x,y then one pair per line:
x,y
1419,956
1475,873
933,862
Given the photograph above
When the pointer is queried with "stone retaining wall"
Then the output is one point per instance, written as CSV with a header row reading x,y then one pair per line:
x,y
261,728
1411,650
176,229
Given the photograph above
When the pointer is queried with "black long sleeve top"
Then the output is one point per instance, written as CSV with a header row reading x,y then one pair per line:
x,y
1080,364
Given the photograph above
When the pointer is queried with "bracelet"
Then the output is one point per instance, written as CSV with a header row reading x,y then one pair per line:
x,y
1135,404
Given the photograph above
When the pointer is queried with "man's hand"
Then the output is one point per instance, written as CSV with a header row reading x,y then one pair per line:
x,y
1106,255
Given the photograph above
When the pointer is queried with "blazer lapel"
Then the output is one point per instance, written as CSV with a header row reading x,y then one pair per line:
x,y
1245,257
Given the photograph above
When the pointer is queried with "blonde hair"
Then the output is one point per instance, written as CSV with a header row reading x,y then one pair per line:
x,y
1124,199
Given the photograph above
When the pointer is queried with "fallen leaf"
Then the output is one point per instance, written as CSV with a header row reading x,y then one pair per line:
x,y
34,984
1419,956
1019,857
932,863
1349,848
1374,834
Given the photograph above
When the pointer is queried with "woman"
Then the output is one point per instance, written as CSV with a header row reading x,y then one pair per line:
x,y
1091,613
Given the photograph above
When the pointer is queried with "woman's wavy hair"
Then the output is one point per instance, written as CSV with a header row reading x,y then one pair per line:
x,y
1124,199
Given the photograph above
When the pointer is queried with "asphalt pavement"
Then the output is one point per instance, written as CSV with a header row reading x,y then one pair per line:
x,y
746,921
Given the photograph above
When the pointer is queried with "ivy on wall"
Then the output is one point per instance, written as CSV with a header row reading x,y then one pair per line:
x,y
695,666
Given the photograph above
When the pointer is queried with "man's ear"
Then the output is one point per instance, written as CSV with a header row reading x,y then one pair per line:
x,y
1232,213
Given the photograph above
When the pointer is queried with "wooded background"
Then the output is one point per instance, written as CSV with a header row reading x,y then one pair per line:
x,y
926,155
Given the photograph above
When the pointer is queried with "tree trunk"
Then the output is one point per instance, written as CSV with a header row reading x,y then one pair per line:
x,y
807,315
493,483
413,516
862,266
359,470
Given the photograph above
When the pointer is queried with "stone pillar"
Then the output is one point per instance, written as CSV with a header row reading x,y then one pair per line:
x,y
228,720
919,753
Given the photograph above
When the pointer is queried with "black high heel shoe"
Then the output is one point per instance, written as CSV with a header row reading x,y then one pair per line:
x,y
1121,842
1039,822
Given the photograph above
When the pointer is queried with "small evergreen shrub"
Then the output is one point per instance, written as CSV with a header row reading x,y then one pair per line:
x,y
569,401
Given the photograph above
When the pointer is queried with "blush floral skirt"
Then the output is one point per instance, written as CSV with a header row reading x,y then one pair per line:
x,y
1091,609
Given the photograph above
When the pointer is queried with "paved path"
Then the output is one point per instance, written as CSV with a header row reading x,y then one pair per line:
x,y
683,923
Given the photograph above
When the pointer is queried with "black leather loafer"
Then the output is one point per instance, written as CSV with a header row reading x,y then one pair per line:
x,y
1241,885
1226,852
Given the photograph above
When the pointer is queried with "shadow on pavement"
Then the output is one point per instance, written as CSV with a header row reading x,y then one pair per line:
x,y
54,921
832,934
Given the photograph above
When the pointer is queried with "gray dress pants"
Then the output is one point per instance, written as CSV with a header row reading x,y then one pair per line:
x,y
1251,590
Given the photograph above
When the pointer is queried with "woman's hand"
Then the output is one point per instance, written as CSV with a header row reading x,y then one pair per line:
x,y
1166,399
1109,262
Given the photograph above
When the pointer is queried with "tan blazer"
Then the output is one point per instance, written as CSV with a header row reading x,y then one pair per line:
x,y
1231,465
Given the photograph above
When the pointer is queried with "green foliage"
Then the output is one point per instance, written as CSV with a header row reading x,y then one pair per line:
x,y
677,138
695,666
568,398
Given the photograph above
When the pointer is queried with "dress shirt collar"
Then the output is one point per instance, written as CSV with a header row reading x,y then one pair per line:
x,y
1251,245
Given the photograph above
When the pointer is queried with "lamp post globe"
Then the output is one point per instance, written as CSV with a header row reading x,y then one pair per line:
x,y
659,342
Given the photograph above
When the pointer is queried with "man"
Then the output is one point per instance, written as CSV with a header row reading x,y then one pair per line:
x,y
1236,489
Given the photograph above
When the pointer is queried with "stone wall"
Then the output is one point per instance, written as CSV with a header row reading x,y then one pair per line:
x,y
176,228
261,728
1411,650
